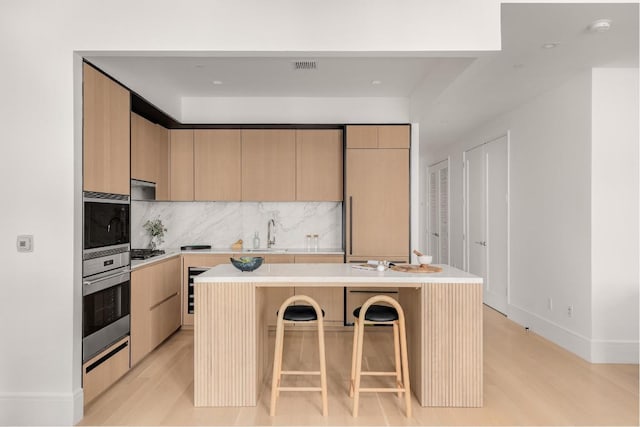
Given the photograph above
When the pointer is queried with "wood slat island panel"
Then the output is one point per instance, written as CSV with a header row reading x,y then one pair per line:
x,y
225,345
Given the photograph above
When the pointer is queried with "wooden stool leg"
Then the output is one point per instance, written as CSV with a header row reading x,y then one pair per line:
x,y
277,366
405,366
396,351
356,387
323,368
354,353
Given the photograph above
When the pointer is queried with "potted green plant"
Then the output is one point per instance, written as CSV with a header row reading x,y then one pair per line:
x,y
156,229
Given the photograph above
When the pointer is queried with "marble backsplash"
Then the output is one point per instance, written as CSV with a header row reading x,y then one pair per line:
x,y
219,224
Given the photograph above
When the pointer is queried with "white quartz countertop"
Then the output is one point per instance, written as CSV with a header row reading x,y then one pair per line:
x,y
137,263
329,273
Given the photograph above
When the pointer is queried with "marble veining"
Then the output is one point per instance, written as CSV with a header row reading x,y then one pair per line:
x,y
219,224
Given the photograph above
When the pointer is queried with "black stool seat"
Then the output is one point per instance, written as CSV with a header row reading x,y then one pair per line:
x,y
300,313
378,313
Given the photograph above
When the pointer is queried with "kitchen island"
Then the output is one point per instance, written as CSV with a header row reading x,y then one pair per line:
x,y
444,329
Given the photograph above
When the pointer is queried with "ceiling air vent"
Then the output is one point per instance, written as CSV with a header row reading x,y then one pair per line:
x,y
305,65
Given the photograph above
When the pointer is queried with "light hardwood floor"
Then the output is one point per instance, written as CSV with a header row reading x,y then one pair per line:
x,y
527,381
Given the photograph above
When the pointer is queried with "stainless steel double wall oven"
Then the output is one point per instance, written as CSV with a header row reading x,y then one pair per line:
x,y
106,271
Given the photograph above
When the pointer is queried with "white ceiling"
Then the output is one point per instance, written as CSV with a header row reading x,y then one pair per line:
x,y
451,93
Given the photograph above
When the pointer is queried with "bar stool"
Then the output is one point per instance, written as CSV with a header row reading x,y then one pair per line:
x,y
372,314
289,313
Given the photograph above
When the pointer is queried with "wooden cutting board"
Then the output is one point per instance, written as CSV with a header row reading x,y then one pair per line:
x,y
421,268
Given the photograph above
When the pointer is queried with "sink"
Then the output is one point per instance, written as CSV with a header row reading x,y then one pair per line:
x,y
272,251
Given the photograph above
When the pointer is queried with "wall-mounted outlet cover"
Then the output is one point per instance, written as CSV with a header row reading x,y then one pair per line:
x,y
24,243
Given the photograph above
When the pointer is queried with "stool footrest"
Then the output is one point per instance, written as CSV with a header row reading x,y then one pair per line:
x,y
379,374
299,389
300,372
383,390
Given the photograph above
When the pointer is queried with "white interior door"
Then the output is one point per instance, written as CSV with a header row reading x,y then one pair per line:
x,y
487,219
495,289
438,221
475,212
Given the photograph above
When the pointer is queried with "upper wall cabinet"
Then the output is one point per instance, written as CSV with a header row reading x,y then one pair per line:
x,y
268,164
373,136
319,154
181,165
106,158
150,154
217,164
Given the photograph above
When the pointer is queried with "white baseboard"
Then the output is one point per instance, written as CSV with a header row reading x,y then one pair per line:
x,y
593,351
615,352
38,409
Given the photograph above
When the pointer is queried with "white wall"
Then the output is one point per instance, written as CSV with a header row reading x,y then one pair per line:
x,y
40,166
295,110
574,234
614,215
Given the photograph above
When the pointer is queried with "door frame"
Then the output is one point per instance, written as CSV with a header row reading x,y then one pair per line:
x,y
465,207
428,210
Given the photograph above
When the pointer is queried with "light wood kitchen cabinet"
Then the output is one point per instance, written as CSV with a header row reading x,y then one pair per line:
x,y
155,305
378,136
99,374
150,154
320,258
276,258
319,154
217,164
106,147
268,165
198,261
377,204
181,165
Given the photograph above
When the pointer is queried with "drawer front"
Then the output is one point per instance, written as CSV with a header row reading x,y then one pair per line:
x,y
105,369
165,319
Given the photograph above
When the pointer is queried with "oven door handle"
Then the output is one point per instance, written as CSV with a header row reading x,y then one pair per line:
x,y
92,286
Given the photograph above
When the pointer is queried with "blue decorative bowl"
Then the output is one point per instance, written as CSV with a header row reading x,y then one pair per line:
x,y
248,263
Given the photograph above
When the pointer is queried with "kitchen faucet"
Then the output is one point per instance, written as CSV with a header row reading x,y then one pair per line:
x,y
271,233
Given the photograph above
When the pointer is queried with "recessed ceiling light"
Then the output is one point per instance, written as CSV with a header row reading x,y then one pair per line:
x,y
600,26
217,82
376,82
550,45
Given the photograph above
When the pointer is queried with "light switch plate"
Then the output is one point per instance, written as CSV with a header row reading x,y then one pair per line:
x,y
25,243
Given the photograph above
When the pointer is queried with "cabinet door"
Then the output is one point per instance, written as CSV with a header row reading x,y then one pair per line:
x,y
162,169
165,281
319,165
181,165
144,156
362,136
377,190
140,324
301,259
106,148
268,165
164,320
393,136
278,259
217,164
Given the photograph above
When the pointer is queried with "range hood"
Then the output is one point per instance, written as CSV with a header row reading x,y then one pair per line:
x,y
143,190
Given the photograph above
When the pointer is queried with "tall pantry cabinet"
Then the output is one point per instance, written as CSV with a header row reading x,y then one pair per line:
x,y
377,193
106,127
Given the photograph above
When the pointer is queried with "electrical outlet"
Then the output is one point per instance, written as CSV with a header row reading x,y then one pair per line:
x,y
570,311
549,304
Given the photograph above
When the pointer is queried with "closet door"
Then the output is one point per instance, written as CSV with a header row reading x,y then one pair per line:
x,y
438,220
486,219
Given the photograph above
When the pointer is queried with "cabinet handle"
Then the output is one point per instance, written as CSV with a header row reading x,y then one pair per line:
x,y
350,225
